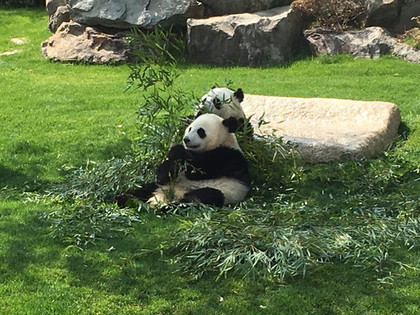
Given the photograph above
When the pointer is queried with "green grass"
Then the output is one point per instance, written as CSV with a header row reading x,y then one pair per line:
x,y
54,115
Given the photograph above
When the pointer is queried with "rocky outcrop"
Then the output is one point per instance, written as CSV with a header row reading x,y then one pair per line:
x,y
100,19
394,15
372,42
76,42
223,7
239,32
267,37
128,13
324,130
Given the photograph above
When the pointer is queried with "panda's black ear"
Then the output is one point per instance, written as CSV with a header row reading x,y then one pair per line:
x,y
239,94
231,123
198,114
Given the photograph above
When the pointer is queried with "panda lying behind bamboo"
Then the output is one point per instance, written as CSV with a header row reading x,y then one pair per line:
x,y
215,173
226,103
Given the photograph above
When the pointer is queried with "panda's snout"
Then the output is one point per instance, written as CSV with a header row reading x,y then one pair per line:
x,y
190,144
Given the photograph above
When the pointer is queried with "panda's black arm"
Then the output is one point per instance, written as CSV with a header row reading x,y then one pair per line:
x,y
177,152
221,162
169,168
237,167
166,171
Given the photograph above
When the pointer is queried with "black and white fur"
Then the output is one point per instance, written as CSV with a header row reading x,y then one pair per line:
x,y
226,103
223,102
209,167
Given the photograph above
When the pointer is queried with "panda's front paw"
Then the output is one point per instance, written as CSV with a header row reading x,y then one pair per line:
x,y
177,152
165,172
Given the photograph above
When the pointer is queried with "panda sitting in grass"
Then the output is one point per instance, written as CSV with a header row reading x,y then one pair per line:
x,y
226,103
209,167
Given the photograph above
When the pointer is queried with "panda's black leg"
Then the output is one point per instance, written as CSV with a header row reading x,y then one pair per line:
x,y
209,196
143,194
122,199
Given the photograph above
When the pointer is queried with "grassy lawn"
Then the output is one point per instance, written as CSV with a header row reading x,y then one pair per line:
x,y
54,116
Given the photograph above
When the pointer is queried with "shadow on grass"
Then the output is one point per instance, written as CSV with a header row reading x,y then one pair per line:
x,y
29,163
119,149
16,179
24,242
403,131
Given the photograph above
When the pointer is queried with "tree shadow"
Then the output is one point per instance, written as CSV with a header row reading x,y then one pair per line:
x,y
34,163
16,179
24,243
119,149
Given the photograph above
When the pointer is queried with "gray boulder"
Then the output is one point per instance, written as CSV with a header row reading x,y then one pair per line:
x,y
372,42
409,11
223,7
129,13
382,12
324,130
394,15
76,42
266,37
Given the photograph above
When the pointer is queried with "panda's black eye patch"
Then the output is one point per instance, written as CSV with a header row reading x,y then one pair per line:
x,y
217,103
202,133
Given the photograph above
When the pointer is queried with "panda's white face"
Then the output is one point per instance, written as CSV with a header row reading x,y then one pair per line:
x,y
207,132
222,102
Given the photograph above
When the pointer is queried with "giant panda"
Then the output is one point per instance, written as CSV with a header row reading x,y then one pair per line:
x,y
209,167
223,102
226,103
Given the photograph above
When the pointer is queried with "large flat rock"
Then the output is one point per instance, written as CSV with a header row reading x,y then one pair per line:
x,y
325,130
